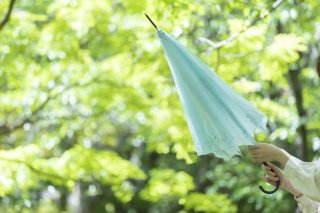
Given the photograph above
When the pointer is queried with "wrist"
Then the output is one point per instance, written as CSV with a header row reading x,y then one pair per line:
x,y
283,157
296,194
294,191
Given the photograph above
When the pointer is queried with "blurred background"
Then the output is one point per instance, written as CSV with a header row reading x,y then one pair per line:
x,y
90,119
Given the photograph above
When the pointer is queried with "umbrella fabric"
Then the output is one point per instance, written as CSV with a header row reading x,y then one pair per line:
x,y
219,118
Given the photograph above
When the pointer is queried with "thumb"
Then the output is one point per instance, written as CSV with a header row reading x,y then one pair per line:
x,y
274,168
252,147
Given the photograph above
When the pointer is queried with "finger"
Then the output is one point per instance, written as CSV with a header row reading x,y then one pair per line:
x,y
265,167
253,152
265,178
254,155
273,167
260,158
252,147
268,181
272,178
269,173
257,146
257,159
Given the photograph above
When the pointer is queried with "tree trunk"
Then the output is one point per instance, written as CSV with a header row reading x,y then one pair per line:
x,y
297,91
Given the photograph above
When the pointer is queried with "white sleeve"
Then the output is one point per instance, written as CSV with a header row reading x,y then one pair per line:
x,y
304,176
306,205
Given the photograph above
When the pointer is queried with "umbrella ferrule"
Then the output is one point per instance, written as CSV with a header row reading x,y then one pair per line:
x,y
155,26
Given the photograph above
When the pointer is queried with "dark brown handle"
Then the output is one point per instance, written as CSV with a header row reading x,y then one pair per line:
x,y
277,185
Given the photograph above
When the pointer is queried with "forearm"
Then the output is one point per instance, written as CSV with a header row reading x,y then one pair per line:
x,y
293,191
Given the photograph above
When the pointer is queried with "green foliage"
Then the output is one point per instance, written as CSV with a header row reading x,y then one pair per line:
x,y
76,164
167,183
89,111
283,51
208,203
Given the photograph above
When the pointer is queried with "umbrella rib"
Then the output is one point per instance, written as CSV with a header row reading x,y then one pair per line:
x,y
155,26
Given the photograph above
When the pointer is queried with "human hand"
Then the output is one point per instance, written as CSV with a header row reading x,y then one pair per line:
x,y
267,152
272,177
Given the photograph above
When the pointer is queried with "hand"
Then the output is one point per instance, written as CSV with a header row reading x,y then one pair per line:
x,y
273,177
267,152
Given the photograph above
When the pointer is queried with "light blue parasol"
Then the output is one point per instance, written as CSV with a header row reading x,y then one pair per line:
x,y
219,118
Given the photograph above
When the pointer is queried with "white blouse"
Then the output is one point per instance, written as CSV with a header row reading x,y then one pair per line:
x,y
305,177
306,205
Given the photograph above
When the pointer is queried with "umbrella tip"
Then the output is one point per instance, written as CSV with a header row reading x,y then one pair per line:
x,y
155,26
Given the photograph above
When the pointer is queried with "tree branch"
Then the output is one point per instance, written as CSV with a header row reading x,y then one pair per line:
x,y
4,129
34,169
6,18
249,24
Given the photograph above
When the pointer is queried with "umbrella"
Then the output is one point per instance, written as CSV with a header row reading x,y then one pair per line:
x,y
219,118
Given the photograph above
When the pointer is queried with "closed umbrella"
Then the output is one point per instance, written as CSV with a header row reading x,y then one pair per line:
x,y
219,118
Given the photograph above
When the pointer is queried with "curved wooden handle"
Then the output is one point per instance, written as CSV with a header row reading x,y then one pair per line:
x,y
274,190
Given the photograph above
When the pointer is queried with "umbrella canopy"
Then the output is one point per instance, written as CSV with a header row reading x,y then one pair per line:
x,y
219,118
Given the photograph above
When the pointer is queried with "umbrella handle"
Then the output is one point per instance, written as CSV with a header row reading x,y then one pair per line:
x,y
277,184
